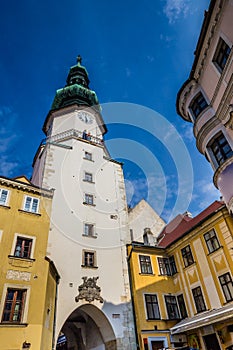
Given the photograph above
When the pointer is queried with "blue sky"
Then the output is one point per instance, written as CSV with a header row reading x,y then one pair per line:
x,y
137,53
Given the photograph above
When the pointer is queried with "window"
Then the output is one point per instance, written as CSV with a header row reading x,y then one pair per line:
x,y
220,148
227,287
89,230
187,256
31,204
164,267
14,305
211,241
172,308
172,265
182,306
88,177
221,54
89,259
152,307
198,299
3,196
88,156
145,264
89,199
198,105
23,247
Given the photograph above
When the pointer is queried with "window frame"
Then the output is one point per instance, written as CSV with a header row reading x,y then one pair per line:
x,y
87,197
225,286
23,245
89,230
33,199
172,307
145,264
152,307
211,241
221,54
197,105
88,177
164,266
186,253
4,203
182,306
27,237
199,300
13,302
85,259
88,156
219,149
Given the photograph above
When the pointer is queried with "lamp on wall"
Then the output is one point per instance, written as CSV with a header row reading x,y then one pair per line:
x,y
26,345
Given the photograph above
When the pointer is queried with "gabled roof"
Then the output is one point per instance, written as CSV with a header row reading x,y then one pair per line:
x,y
183,224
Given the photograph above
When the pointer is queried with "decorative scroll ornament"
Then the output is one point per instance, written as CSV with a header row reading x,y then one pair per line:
x,y
89,290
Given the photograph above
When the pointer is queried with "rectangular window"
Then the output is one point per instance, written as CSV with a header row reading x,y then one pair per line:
x,y
172,263
172,308
164,267
221,54
187,256
227,287
182,306
14,305
220,148
89,230
89,199
211,241
145,264
152,307
3,196
31,204
88,155
198,105
89,259
23,247
88,177
198,299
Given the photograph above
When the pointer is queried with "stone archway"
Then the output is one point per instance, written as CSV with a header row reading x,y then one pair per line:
x,y
87,328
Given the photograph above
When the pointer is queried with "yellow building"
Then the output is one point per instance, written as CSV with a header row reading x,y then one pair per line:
x,y
28,278
182,287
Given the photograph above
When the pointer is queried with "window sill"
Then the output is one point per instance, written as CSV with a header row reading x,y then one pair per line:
x,y
13,324
29,212
91,182
146,274
90,160
90,236
20,258
4,206
89,267
89,204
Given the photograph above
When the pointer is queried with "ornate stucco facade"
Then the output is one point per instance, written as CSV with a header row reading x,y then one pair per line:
x,y
206,98
28,279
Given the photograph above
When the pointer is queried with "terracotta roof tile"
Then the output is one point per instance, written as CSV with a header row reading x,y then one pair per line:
x,y
183,223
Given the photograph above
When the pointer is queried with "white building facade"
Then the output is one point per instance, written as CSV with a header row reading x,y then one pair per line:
x,y
89,222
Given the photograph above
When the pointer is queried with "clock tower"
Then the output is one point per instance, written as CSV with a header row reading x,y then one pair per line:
x,y
89,222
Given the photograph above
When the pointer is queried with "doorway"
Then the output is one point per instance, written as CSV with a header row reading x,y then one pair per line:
x,y
211,342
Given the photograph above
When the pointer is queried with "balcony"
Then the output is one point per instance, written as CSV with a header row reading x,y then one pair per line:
x,y
72,133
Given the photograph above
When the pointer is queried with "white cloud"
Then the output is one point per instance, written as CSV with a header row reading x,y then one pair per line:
x,y
175,9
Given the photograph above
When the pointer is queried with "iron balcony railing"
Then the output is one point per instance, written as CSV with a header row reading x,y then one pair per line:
x,y
72,133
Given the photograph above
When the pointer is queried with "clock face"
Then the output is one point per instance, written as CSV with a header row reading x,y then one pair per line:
x,y
85,117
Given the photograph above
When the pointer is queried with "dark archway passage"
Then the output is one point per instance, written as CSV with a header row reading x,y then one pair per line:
x,y
87,328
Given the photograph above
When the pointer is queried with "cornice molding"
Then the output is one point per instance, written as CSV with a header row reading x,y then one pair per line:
x,y
26,187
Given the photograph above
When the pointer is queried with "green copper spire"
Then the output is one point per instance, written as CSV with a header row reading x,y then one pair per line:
x,y
76,89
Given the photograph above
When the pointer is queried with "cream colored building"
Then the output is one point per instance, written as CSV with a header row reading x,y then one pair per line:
x,y
28,279
206,98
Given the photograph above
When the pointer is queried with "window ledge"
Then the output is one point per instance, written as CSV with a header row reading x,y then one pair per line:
x,y
20,258
89,267
91,205
4,206
91,182
90,160
29,212
146,274
13,324
90,236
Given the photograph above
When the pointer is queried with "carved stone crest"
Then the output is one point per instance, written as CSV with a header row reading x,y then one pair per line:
x,y
89,290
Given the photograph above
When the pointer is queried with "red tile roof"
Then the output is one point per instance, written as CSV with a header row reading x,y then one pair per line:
x,y
183,223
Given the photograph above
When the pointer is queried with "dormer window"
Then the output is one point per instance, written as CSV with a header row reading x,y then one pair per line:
x,y
198,105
